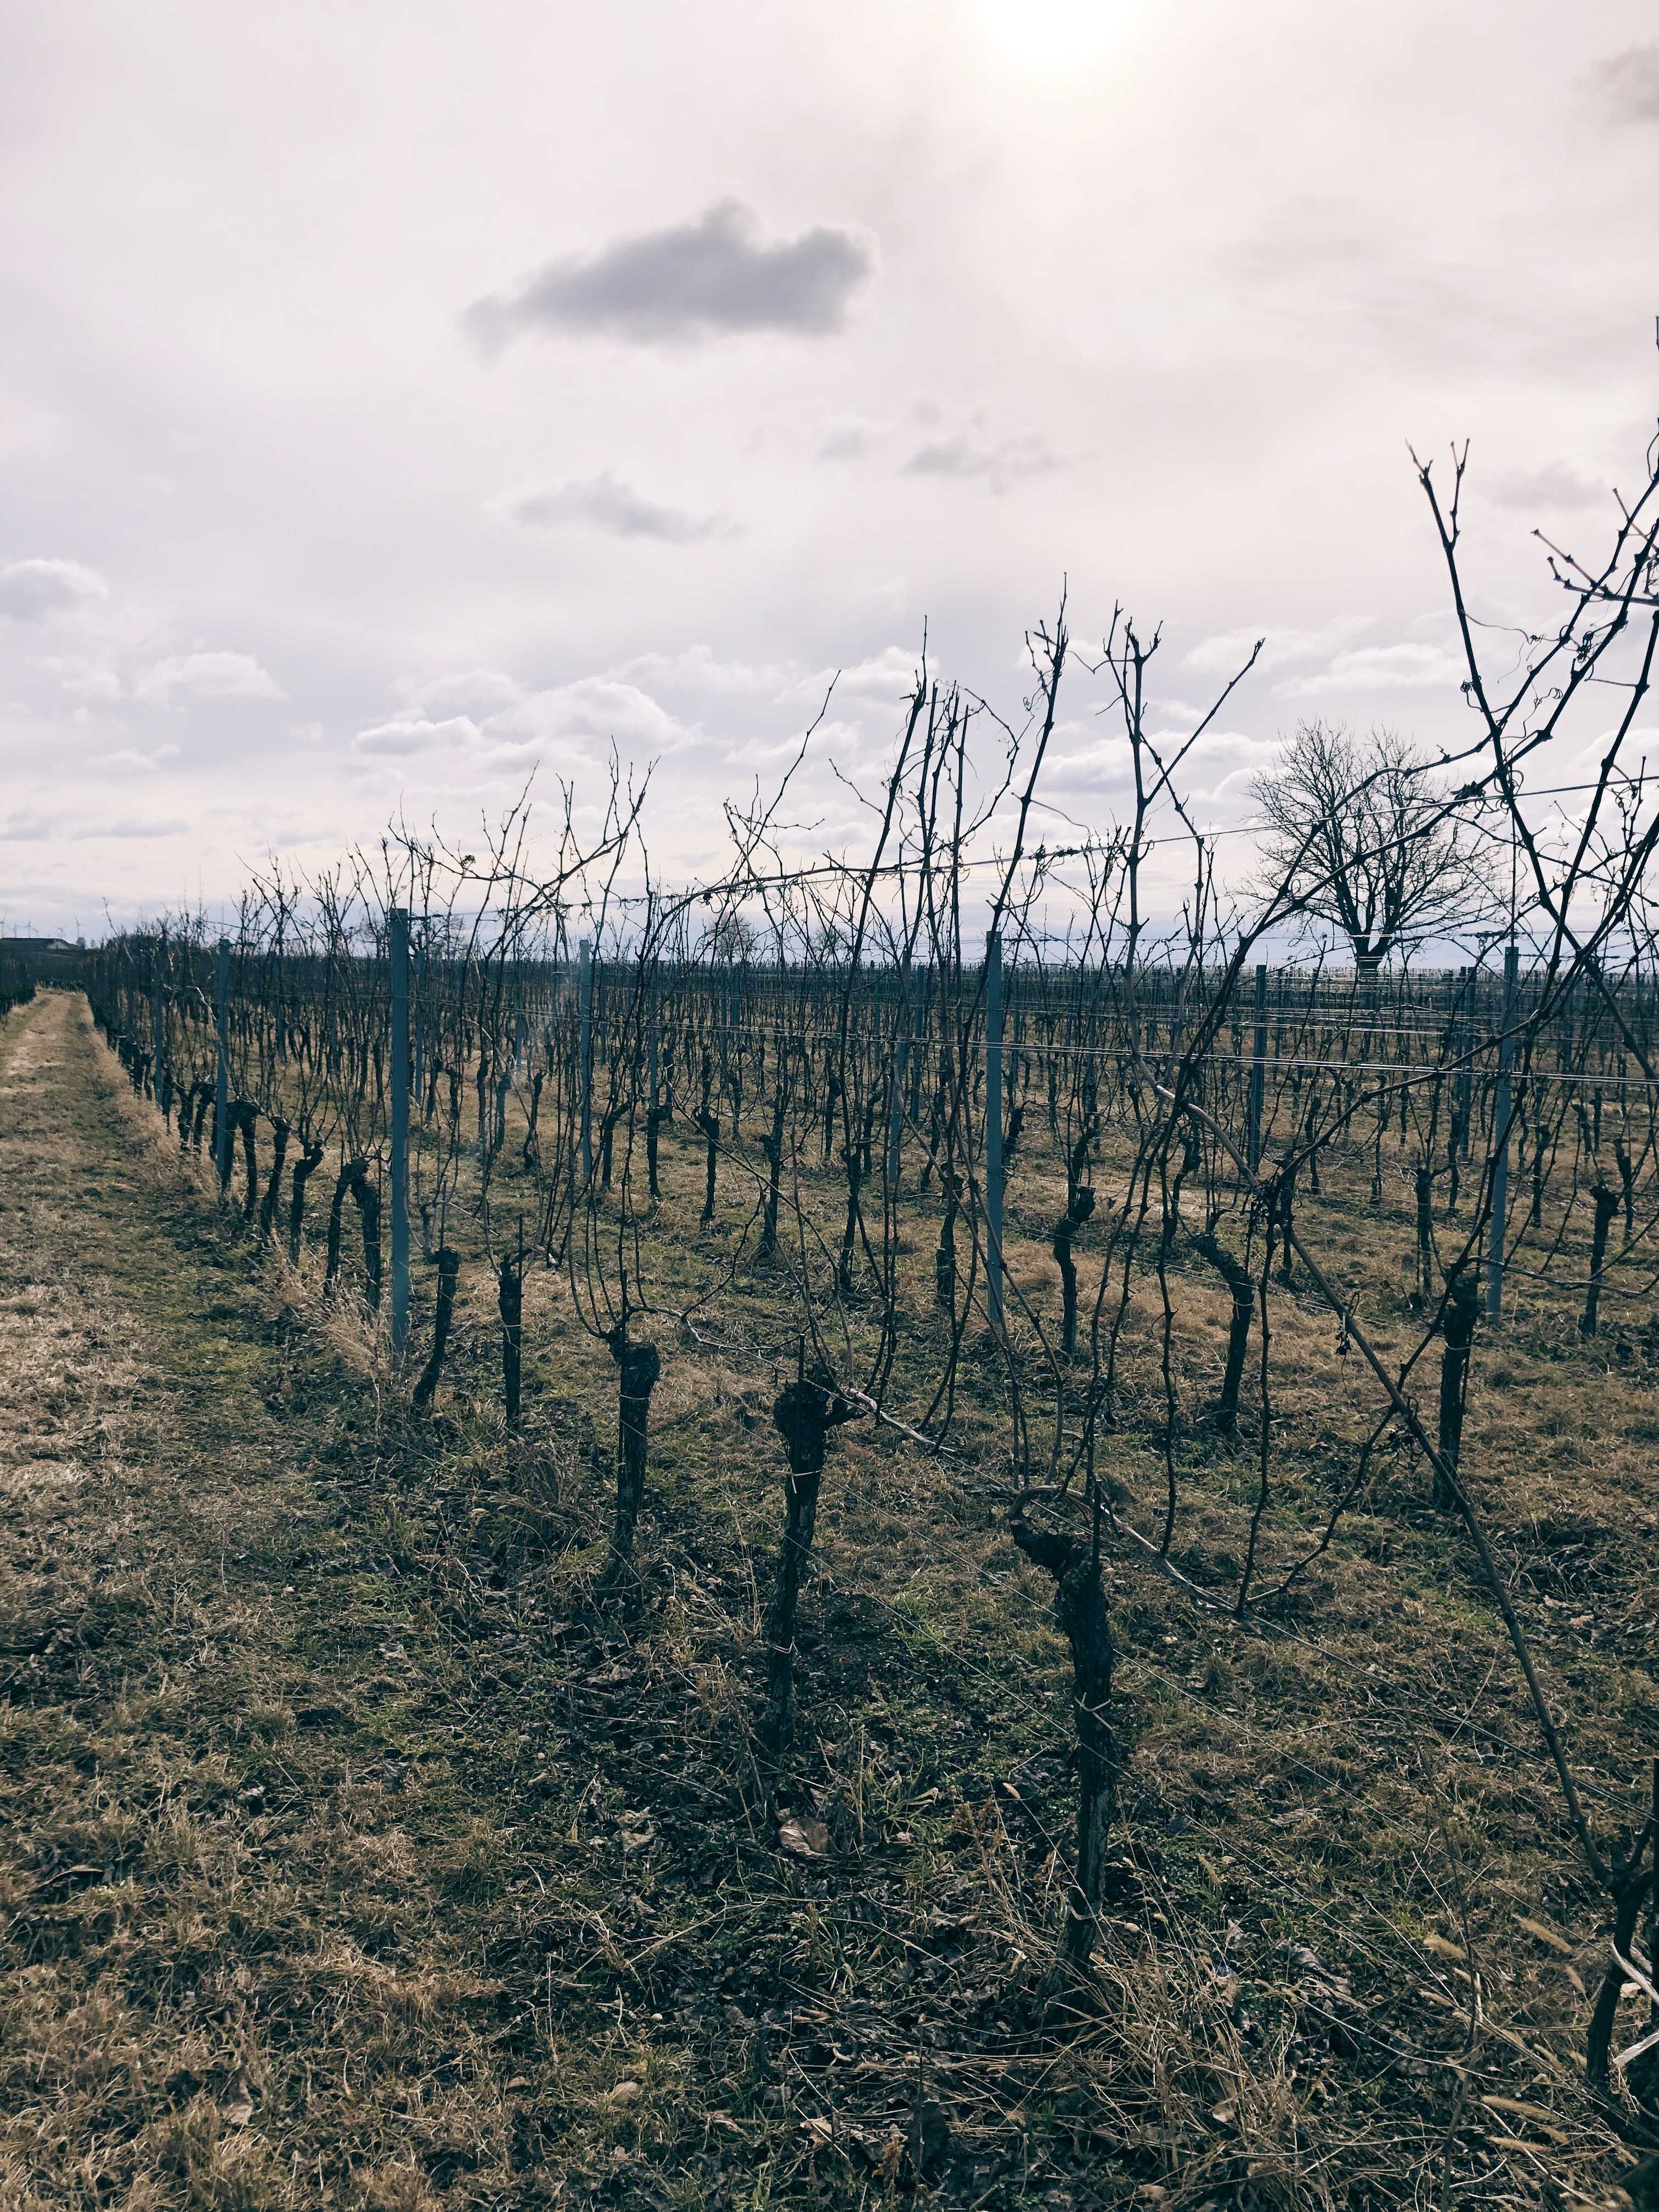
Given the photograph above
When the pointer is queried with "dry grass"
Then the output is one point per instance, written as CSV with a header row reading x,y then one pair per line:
x,y
354,1860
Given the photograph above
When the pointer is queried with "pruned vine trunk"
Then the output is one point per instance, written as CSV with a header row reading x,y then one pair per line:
x,y
310,1159
638,1369
1080,1611
244,1118
279,1136
1462,1308
1241,1283
1606,1205
804,1413
509,1301
709,1123
368,1196
449,1269
1079,1209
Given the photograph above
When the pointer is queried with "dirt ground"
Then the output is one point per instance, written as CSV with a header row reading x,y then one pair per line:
x,y
353,1858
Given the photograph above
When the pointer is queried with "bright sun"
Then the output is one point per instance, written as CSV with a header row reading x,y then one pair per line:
x,y
1053,34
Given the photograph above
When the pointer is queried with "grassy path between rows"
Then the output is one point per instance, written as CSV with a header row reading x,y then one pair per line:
x,y
235,1977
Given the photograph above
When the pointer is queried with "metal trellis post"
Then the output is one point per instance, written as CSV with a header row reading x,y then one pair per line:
x,y
896,1115
1258,1072
993,1128
221,1079
1465,1031
587,1078
418,1083
397,951
1500,1130
159,1085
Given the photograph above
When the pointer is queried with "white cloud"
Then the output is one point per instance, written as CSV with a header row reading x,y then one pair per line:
x,y
30,589
1381,668
998,463
888,675
1226,653
205,675
1553,486
1213,774
470,690
128,756
571,720
568,726
133,825
699,668
837,741
407,735
85,679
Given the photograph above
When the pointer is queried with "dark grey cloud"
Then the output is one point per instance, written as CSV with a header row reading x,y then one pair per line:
x,y
29,589
705,279
605,502
1006,461
1629,83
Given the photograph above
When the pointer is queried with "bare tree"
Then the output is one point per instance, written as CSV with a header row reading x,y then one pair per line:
x,y
1363,839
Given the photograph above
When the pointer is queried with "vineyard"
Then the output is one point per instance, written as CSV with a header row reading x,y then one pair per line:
x,y
1039,1526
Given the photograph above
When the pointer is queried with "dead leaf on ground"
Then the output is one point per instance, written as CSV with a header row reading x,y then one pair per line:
x,y
626,2092
236,2106
803,1839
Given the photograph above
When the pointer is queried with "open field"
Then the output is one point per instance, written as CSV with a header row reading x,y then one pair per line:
x,y
359,1859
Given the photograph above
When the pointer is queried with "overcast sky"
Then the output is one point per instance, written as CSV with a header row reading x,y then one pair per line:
x,y
395,397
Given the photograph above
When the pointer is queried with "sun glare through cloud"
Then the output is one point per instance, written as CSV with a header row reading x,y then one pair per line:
x,y
1054,36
